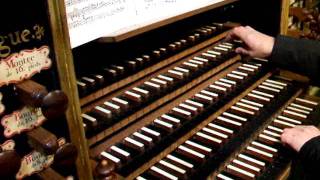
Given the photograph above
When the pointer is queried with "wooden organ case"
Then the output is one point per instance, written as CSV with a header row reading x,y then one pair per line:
x,y
172,100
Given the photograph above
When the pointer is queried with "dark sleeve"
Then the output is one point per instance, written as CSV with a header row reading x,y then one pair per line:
x,y
310,156
298,55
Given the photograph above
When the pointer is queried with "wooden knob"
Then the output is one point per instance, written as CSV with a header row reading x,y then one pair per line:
x,y
9,164
52,104
105,170
65,156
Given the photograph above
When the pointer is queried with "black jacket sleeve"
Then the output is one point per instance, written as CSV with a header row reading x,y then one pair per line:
x,y
298,55
310,157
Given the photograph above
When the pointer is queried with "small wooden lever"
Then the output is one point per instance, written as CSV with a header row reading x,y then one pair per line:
x,y
53,104
9,163
43,140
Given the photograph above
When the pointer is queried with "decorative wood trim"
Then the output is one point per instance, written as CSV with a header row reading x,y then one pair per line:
x,y
65,67
284,21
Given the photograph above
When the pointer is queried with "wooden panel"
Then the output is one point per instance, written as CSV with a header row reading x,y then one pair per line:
x,y
284,17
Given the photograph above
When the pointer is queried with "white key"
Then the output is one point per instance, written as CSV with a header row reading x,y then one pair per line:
x,y
103,110
262,93
120,151
180,161
229,121
275,129
263,136
284,123
165,78
220,48
222,84
218,88
225,46
164,83
120,101
258,97
113,106
88,79
235,76
89,118
250,66
215,133
191,65
223,177
251,159
209,93
162,123
190,151
198,146
260,59
201,59
206,98
272,85
181,111
195,103
221,128
252,103
196,62
188,107
241,171
301,107
145,92
298,110
246,69
236,161
307,101
153,85
141,136
295,114
110,157
200,134
242,110
264,146
260,151
81,83
228,81
164,173
209,55
289,120
240,73
181,69
247,106
214,52
176,74
150,131
132,94
171,166
140,178
276,82
134,142
172,119
271,133
269,88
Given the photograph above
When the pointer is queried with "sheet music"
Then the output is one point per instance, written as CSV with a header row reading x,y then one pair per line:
x,y
91,19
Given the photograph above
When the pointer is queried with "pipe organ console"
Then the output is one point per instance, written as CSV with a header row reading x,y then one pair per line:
x,y
192,109
169,100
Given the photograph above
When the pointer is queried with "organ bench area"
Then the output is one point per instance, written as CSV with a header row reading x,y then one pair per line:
x,y
192,109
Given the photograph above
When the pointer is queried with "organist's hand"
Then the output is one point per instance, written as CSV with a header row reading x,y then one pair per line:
x,y
256,44
296,137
